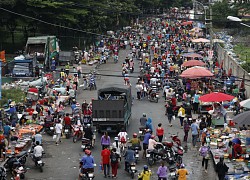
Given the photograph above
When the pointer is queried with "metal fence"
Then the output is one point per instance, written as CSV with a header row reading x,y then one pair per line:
x,y
237,70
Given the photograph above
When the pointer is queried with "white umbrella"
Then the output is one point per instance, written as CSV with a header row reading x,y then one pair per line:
x,y
218,41
245,103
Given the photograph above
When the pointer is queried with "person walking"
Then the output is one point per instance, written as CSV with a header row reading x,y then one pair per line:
x,y
105,140
114,158
106,161
160,132
58,129
139,89
162,172
170,113
221,169
195,132
182,172
181,115
186,130
204,152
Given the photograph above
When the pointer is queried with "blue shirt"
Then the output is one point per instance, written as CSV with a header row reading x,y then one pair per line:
x,y
196,98
194,128
38,137
6,130
130,156
146,138
88,162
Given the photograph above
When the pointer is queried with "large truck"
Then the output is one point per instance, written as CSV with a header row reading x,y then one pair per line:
x,y
23,66
112,111
44,48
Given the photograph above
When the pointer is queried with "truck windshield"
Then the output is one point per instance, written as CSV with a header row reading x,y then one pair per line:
x,y
21,66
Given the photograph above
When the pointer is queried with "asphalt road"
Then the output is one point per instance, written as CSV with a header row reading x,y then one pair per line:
x,y
61,162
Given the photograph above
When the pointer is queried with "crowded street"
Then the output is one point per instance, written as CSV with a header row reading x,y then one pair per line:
x,y
151,100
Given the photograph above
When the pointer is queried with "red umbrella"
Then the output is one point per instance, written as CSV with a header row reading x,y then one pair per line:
x,y
216,97
196,72
193,63
33,90
187,23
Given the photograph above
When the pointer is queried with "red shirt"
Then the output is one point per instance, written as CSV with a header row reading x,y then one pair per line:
x,y
67,120
160,131
105,156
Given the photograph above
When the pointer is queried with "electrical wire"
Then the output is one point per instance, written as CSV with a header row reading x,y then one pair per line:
x,y
52,24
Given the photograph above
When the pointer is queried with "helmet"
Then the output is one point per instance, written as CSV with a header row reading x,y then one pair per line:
x,y
116,139
88,125
88,152
77,105
145,167
144,115
134,135
148,130
182,165
152,136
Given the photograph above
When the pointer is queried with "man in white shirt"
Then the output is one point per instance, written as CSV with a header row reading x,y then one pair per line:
x,y
122,134
151,143
38,150
58,129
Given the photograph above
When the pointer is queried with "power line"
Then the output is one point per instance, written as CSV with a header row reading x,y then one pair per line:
x,y
52,24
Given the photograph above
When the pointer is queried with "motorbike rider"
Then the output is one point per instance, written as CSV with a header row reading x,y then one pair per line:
x,y
117,145
145,174
88,133
143,120
86,164
123,136
129,158
92,80
38,137
67,121
147,136
38,151
135,141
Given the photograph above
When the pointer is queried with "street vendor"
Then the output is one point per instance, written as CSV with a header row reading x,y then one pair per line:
x,y
227,129
237,150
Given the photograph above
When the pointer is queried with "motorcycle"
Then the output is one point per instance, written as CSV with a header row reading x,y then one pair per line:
x,y
86,144
49,128
92,85
142,132
89,175
159,153
3,173
67,131
136,149
37,160
20,171
153,96
132,170
115,59
131,69
77,133
172,173
15,163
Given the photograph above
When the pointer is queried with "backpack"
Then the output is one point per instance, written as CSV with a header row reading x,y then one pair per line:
x,y
186,128
123,140
203,151
114,158
2,139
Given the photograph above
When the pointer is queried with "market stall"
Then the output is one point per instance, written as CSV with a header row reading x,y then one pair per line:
x,y
238,164
218,112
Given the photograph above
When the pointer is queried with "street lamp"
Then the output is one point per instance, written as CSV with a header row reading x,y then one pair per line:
x,y
236,19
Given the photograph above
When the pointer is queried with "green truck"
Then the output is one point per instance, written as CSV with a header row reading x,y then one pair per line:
x,y
112,110
44,49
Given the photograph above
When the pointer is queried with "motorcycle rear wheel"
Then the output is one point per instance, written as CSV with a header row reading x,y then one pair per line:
x,y
150,161
41,169
74,139
132,174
